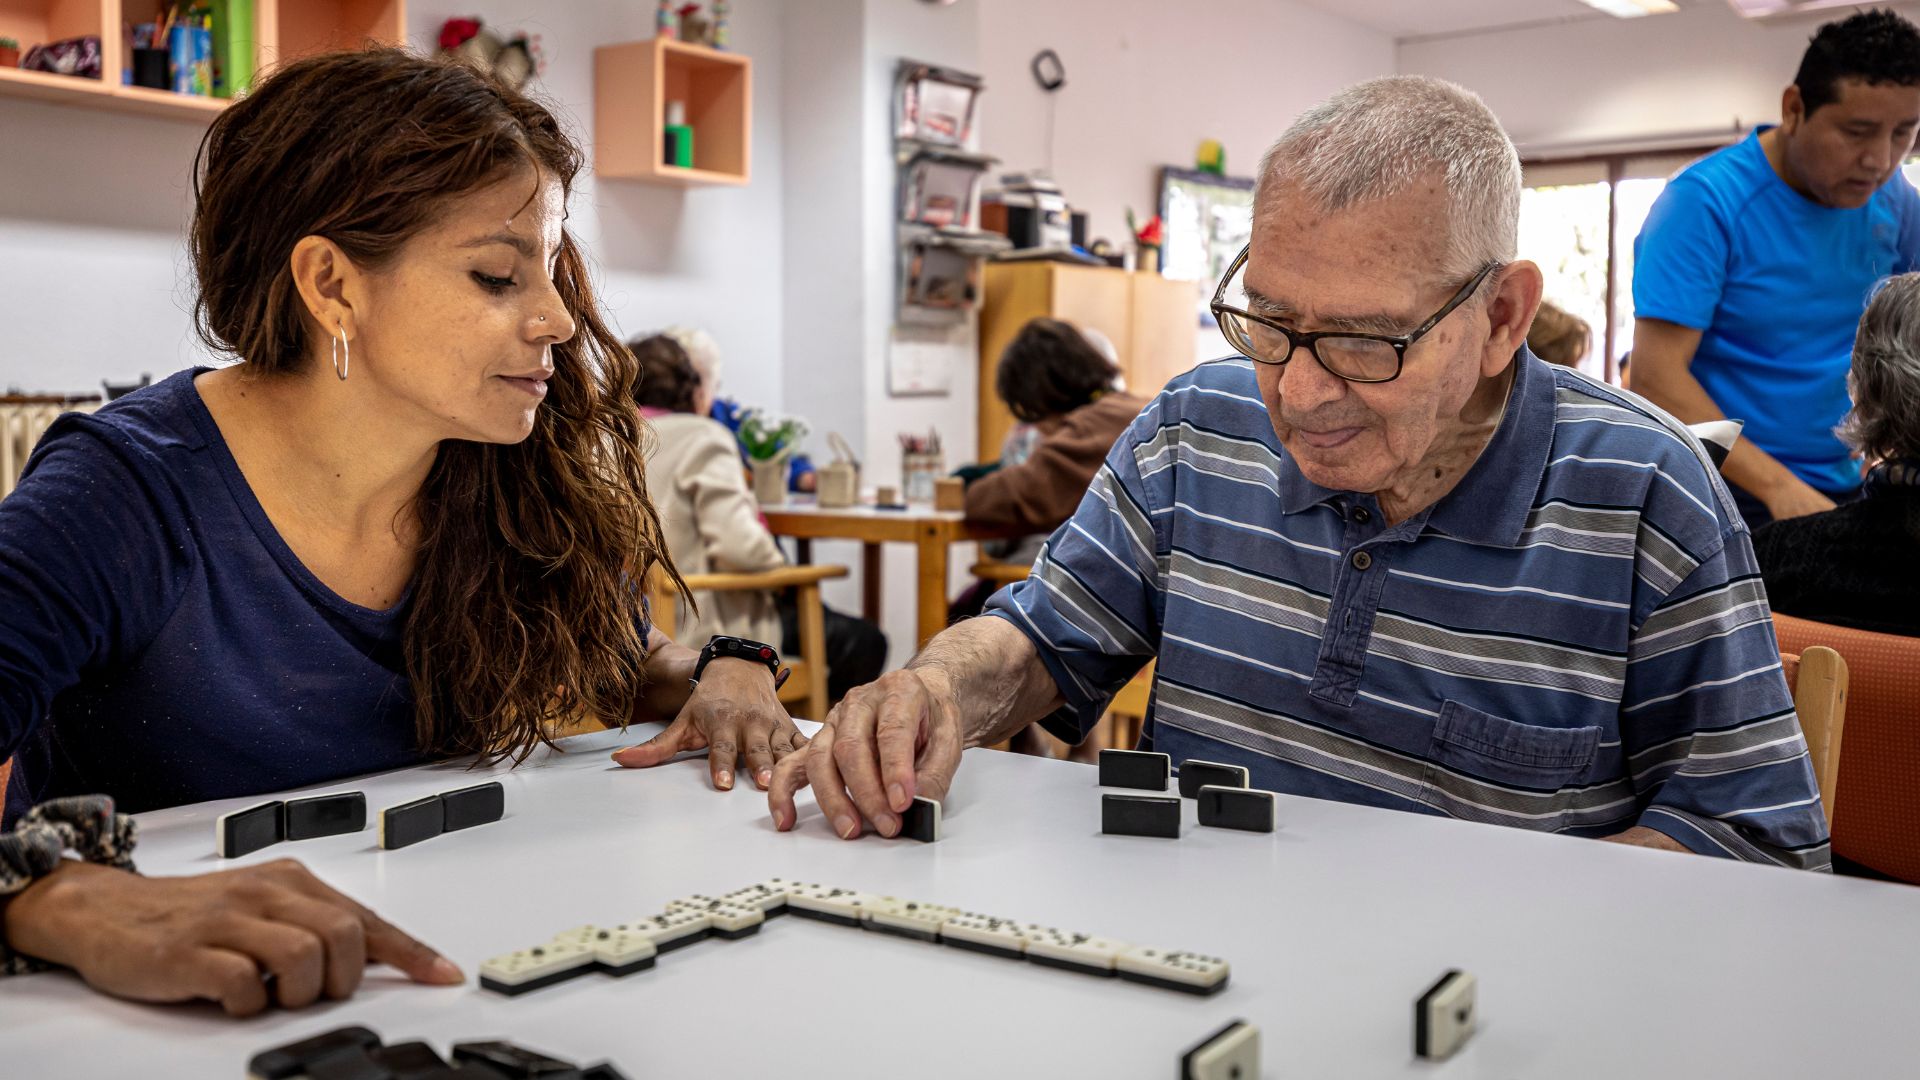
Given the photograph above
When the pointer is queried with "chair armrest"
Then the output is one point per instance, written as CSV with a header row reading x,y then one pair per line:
x,y
786,577
1001,573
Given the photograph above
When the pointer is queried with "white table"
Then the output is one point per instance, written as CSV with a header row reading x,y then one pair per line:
x,y
1594,960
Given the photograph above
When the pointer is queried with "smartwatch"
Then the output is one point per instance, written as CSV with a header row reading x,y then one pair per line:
x,y
721,647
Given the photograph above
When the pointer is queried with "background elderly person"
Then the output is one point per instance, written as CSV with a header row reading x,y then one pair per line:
x,y
1853,565
1386,555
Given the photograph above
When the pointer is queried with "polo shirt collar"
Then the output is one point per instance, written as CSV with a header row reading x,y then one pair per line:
x,y
1491,503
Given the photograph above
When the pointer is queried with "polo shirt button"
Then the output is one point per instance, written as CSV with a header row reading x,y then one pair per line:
x,y
1362,560
1360,515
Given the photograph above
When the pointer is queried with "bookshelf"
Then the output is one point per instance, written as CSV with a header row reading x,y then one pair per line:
x,y
283,29
632,83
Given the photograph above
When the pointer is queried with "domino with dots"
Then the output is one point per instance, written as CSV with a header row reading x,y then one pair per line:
x,y
1052,947
1232,1053
1443,1017
827,903
988,934
906,918
1187,972
525,970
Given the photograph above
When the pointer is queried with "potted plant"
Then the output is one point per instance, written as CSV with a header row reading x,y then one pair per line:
x,y
1147,239
9,52
770,440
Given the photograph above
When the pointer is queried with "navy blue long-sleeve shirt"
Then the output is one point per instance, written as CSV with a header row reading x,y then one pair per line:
x,y
160,643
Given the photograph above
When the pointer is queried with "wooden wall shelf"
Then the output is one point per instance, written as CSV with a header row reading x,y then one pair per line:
x,y
632,83
283,29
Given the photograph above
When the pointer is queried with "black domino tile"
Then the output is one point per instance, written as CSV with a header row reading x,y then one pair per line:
x,y
291,1060
247,831
1236,808
901,931
682,942
1175,984
347,1065
481,804
1140,815
825,916
409,1059
1140,769
921,821
326,815
1195,775
990,950
514,1062
623,970
410,823
1068,965
603,1071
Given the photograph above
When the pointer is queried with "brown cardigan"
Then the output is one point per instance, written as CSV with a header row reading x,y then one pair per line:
x,y
1039,494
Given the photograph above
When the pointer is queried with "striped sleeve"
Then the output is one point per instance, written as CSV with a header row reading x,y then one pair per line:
x,y
1093,603
1713,745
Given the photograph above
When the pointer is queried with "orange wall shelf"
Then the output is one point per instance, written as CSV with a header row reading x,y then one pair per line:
x,y
632,84
283,29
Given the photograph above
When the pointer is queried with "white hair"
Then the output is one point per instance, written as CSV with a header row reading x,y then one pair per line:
x,y
1885,419
702,351
1379,138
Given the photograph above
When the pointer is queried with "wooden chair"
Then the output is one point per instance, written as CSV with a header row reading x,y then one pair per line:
x,y
1818,679
808,683
1120,728
1878,824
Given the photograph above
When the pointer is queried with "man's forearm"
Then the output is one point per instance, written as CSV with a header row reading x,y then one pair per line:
x,y
994,676
1676,390
669,669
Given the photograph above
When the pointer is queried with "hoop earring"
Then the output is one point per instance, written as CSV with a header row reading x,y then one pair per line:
x,y
339,345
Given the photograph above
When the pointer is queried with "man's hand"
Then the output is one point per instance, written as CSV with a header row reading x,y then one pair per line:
x,y
215,936
1793,497
1641,836
885,743
733,714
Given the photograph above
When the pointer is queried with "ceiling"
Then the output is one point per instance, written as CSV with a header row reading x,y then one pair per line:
x,y
1426,18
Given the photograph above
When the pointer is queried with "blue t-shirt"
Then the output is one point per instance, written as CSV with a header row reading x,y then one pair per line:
x,y
1776,284
160,643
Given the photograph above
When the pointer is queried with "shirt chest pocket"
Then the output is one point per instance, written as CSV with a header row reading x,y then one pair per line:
x,y
1501,752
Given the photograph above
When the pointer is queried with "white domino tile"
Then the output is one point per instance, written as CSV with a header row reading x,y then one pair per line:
x,y
618,947
984,931
539,962
1072,948
1166,965
579,935
672,927
912,917
829,900
768,896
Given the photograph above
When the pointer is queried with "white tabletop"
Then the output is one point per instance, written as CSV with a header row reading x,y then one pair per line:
x,y
1594,960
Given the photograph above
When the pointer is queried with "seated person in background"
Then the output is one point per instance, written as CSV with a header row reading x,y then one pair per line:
x,y
704,353
1388,557
712,524
1061,389
1558,336
1854,565
371,543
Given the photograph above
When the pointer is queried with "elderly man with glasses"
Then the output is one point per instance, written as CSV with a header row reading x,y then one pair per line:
x,y
1385,555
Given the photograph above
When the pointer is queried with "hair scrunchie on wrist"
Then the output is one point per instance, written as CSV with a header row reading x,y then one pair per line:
x,y
83,824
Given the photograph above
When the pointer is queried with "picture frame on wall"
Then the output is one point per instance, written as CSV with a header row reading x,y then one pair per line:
x,y
1205,220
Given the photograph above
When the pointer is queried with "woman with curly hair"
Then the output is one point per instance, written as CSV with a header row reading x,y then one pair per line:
x,y
410,523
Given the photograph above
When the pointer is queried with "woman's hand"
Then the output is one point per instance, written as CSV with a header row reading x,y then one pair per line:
x,y
733,714
246,938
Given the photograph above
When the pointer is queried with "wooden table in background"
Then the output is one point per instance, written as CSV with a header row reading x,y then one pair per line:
x,y
932,532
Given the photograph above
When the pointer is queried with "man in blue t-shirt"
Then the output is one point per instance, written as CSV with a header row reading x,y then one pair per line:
x,y
1756,262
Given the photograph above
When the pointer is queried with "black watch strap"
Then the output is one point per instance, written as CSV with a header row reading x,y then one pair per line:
x,y
721,647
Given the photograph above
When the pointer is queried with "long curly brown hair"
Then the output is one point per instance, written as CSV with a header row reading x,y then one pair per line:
x,y
527,597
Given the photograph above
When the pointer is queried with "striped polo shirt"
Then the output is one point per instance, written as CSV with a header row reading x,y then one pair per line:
x,y
1575,639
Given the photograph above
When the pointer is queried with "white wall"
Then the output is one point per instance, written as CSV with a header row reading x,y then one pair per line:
x,y
1147,80
93,208
1602,80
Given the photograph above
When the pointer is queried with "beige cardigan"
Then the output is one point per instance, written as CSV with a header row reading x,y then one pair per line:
x,y
712,524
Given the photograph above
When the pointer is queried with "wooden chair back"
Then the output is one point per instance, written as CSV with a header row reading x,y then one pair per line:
x,y
1877,824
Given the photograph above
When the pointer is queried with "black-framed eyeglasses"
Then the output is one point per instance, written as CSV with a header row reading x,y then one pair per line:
x,y
1362,358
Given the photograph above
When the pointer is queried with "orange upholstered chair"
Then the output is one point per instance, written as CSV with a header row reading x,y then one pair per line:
x,y
1876,812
